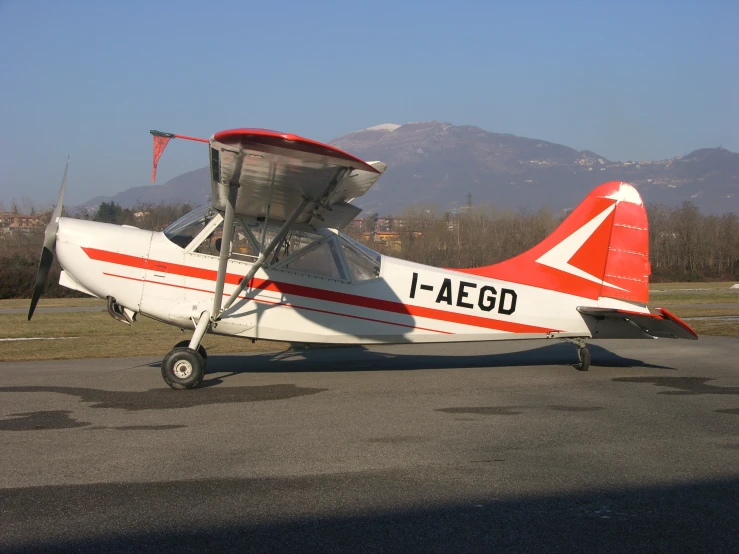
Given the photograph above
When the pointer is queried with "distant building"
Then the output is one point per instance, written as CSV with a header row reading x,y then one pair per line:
x,y
14,222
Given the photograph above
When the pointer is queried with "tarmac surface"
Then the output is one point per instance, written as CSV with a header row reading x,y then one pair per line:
x,y
471,447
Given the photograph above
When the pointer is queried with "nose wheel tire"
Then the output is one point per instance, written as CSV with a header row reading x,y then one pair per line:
x,y
583,356
186,344
183,368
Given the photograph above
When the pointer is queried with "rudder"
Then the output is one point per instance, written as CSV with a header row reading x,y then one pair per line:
x,y
600,249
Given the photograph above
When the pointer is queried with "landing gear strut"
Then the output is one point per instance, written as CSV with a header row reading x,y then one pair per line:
x,y
583,354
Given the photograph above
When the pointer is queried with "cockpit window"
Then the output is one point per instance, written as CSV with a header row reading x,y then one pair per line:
x,y
363,263
323,260
292,244
244,244
321,253
186,228
211,245
360,267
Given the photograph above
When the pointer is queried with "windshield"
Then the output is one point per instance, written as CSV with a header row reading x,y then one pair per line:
x,y
203,214
186,228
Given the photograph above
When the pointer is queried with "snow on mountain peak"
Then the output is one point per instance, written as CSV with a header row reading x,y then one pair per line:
x,y
383,127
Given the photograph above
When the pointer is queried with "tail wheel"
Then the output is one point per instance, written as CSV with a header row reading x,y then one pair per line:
x,y
583,355
183,368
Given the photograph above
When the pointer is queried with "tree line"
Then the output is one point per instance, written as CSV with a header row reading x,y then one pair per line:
x,y
685,245
20,250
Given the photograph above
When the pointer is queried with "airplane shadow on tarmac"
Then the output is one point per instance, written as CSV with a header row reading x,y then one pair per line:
x,y
283,514
358,358
290,361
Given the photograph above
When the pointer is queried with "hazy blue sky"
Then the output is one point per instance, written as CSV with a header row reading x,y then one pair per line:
x,y
629,80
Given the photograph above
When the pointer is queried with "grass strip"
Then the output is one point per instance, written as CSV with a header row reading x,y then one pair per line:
x,y
99,336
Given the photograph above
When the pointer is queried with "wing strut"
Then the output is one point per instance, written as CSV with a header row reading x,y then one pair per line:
x,y
224,254
269,205
262,257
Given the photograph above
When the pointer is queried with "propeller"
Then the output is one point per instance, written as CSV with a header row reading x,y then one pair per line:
x,y
49,248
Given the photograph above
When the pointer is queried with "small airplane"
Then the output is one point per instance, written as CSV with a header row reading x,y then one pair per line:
x,y
265,260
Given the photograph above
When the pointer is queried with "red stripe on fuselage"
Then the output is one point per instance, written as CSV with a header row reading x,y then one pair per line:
x,y
314,293
286,304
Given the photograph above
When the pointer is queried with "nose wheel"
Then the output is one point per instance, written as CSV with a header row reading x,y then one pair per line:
x,y
183,367
186,343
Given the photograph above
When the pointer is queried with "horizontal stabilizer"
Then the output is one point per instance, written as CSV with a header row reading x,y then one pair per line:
x,y
611,323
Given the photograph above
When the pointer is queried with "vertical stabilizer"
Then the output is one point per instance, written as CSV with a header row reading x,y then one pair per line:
x,y
601,249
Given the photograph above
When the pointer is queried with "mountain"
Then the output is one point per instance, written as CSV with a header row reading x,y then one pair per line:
x,y
192,187
439,163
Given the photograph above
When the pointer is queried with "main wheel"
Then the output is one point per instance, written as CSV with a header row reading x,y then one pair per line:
x,y
183,368
583,355
186,344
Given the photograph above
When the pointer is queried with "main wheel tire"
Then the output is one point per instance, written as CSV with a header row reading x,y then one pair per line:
x,y
584,355
186,344
183,368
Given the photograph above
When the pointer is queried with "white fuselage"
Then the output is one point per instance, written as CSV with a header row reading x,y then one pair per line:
x,y
147,273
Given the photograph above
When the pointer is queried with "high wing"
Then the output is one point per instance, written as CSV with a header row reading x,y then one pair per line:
x,y
274,177
275,171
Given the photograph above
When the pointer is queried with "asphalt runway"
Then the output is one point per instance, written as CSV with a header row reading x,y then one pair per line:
x,y
476,447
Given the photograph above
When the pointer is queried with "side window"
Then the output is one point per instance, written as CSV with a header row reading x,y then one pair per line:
x,y
291,244
323,260
243,248
360,267
211,245
363,263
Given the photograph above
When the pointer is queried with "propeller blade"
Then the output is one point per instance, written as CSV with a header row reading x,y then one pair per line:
x,y
53,226
47,258
47,252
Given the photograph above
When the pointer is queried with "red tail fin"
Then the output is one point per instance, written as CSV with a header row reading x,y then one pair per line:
x,y
601,249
